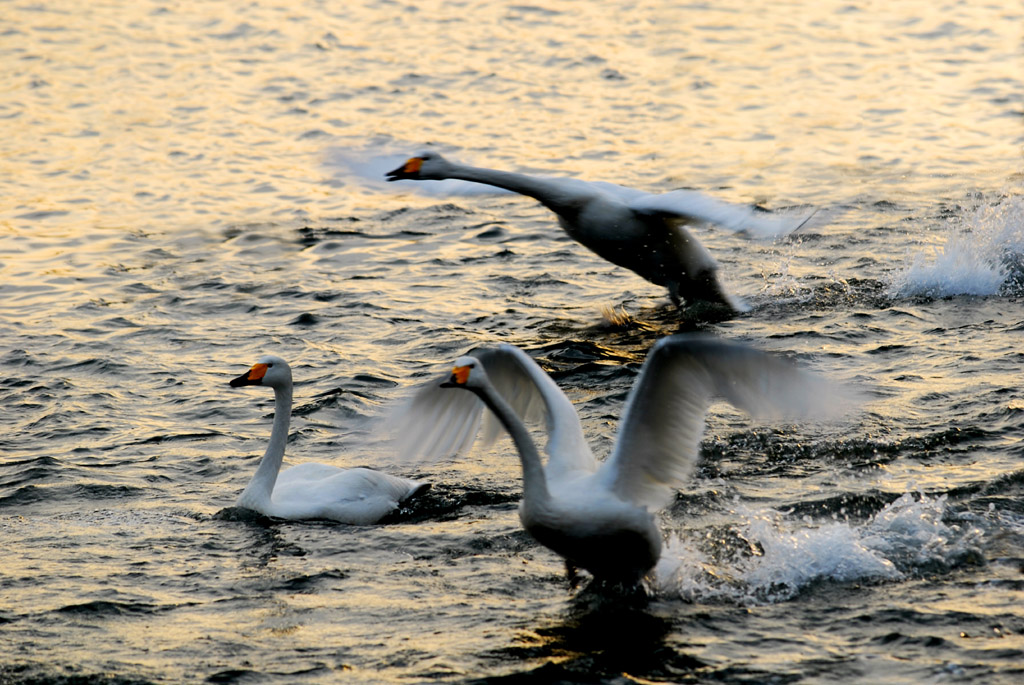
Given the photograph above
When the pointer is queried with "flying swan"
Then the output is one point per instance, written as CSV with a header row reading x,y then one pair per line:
x,y
642,232
600,516
310,490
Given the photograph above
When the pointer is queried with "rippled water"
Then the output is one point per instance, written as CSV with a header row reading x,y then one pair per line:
x,y
187,185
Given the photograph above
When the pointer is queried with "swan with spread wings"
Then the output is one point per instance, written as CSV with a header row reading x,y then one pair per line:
x,y
600,516
643,232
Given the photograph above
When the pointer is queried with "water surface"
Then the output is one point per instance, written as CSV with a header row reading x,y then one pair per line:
x,y
189,185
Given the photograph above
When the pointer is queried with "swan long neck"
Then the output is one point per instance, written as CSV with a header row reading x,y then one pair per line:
x,y
547,191
535,485
262,483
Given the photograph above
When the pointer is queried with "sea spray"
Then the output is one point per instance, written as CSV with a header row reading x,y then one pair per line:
x,y
980,255
784,556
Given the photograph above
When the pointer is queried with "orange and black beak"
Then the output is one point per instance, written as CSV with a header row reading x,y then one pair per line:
x,y
411,169
459,377
253,376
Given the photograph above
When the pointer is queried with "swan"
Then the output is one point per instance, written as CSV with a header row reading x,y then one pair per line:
x,y
310,490
642,232
600,516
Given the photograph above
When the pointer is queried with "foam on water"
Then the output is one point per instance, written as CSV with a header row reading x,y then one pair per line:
x,y
786,556
980,252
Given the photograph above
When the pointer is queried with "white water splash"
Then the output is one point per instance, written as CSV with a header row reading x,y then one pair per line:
x,y
976,258
908,534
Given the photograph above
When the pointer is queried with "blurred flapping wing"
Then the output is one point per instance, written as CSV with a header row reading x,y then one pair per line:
x,y
663,422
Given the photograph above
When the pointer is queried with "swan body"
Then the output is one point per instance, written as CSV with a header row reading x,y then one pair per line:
x,y
642,232
600,516
311,490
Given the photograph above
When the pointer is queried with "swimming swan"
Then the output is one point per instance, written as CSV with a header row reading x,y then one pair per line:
x,y
600,516
639,231
310,490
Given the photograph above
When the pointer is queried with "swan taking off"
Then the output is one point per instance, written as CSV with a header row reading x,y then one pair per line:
x,y
642,232
313,491
600,516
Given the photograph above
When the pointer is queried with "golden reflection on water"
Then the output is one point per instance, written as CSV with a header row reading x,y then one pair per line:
x,y
128,117
144,115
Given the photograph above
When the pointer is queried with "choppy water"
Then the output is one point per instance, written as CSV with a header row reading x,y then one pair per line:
x,y
187,185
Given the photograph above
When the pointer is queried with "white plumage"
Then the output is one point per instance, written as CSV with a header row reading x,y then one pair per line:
x,y
642,232
600,516
311,490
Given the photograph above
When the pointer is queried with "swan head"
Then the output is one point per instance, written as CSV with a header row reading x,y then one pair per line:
x,y
268,370
426,166
467,373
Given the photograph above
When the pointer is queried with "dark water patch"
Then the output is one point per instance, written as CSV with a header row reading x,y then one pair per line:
x,y
574,353
176,437
100,491
446,503
599,375
330,398
27,471
695,504
236,675
242,515
42,214
305,319
306,584
104,608
600,639
441,214
17,358
51,674
101,365
245,675
354,404
824,293
1004,493
33,474
370,380
31,494
930,641
28,494
492,233
776,450
856,506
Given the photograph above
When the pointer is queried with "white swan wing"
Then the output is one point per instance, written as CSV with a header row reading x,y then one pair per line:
x,y
534,394
436,422
694,206
441,421
662,425
356,496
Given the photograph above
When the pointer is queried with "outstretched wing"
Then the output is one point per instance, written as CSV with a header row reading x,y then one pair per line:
x,y
443,421
661,427
694,206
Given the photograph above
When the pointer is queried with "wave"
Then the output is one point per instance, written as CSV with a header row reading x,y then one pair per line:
x,y
982,254
768,558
